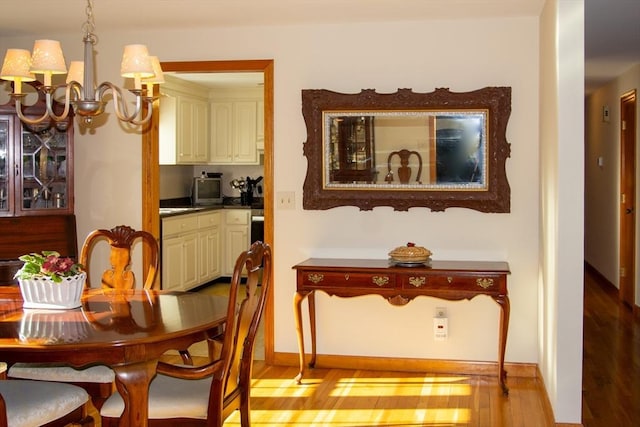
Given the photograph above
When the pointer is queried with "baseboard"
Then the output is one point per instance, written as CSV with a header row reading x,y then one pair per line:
x,y
410,365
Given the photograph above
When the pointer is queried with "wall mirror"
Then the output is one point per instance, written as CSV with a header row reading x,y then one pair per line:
x,y
404,149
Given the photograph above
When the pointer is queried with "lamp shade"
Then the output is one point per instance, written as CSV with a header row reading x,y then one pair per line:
x,y
76,72
158,75
135,62
16,65
47,58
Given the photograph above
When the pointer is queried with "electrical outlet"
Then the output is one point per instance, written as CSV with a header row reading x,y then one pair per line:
x,y
441,312
440,328
286,200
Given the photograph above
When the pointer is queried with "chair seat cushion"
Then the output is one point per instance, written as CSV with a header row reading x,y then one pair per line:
x,y
62,373
34,403
168,398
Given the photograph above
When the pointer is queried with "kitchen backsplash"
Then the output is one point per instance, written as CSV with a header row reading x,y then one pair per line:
x,y
175,180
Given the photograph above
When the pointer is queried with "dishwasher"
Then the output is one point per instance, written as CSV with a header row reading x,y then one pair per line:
x,y
257,225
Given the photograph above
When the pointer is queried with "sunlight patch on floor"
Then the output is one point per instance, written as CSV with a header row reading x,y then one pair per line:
x,y
440,386
355,417
281,388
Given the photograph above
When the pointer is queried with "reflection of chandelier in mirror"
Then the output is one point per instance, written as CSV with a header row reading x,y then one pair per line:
x,y
86,99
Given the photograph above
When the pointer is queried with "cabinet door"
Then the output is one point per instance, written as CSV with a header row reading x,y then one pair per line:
x,y
172,263
245,132
221,150
190,260
209,260
185,131
236,241
260,125
200,126
6,166
167,134
46,171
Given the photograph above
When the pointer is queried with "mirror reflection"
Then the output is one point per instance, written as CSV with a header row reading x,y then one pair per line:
x,y
415,149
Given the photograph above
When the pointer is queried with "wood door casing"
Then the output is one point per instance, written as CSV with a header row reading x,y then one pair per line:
x,y
627,197
151,169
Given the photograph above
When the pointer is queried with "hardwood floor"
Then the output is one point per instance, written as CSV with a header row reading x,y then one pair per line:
x,y
611,361
360,398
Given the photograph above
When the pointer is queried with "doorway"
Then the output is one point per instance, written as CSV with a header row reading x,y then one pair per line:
x,y
151,168
627,197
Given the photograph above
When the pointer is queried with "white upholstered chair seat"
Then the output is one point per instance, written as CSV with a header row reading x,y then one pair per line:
x,y
168,398
62,373
34,403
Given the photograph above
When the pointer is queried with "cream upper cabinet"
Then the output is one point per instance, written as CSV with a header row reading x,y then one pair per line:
x,y
234,132
260,125
193,131
184,125
237,126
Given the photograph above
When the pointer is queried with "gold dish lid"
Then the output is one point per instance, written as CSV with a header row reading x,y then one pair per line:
x,y
410,251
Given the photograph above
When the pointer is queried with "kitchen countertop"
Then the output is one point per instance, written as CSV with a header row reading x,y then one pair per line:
x,y
169,211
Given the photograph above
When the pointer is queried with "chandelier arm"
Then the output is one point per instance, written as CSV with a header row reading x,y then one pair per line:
x,y
67,102
24,118
120,106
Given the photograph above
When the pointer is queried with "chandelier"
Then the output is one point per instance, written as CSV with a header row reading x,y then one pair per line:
x,y
87,99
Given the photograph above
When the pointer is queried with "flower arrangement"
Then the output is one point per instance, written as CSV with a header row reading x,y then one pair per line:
x,y
48,264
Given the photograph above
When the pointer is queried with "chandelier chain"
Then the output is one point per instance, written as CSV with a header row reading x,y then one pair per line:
x,y
89,26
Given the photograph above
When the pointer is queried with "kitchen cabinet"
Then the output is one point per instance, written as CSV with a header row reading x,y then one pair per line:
x,y
236,237
191,250
184,129
234,132
209,262
36,166
260,124
179,252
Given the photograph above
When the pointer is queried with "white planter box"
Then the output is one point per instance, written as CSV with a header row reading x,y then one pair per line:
x,y
44,293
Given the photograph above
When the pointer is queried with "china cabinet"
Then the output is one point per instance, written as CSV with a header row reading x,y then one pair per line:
x,y
351,150
36,165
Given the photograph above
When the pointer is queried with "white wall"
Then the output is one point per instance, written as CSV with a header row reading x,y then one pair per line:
x,y
602,221
561,205
461,55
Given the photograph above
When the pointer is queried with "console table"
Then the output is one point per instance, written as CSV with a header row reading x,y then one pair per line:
x,y
450,280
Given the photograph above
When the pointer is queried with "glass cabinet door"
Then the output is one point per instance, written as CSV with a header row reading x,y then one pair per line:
x,y
44,184
6,181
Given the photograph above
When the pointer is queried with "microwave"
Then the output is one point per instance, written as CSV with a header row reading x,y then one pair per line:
x,y
207,191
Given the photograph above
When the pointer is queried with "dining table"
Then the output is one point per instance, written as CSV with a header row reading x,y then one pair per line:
x,y
128,330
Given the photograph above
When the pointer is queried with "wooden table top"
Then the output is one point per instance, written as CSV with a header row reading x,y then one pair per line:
x,y
107,318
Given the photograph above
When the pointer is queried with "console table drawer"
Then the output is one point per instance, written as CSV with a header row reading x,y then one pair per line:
x,y
351,280
453,283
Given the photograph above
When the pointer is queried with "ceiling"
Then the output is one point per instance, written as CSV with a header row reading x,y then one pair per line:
x,y
612,27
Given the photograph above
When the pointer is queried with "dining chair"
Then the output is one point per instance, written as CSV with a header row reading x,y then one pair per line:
x,y
99,380
206,395
26,403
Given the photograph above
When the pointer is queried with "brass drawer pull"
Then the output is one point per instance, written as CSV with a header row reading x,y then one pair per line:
x,y
316,278
418,282
484,283
380,280
346,276
449,279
